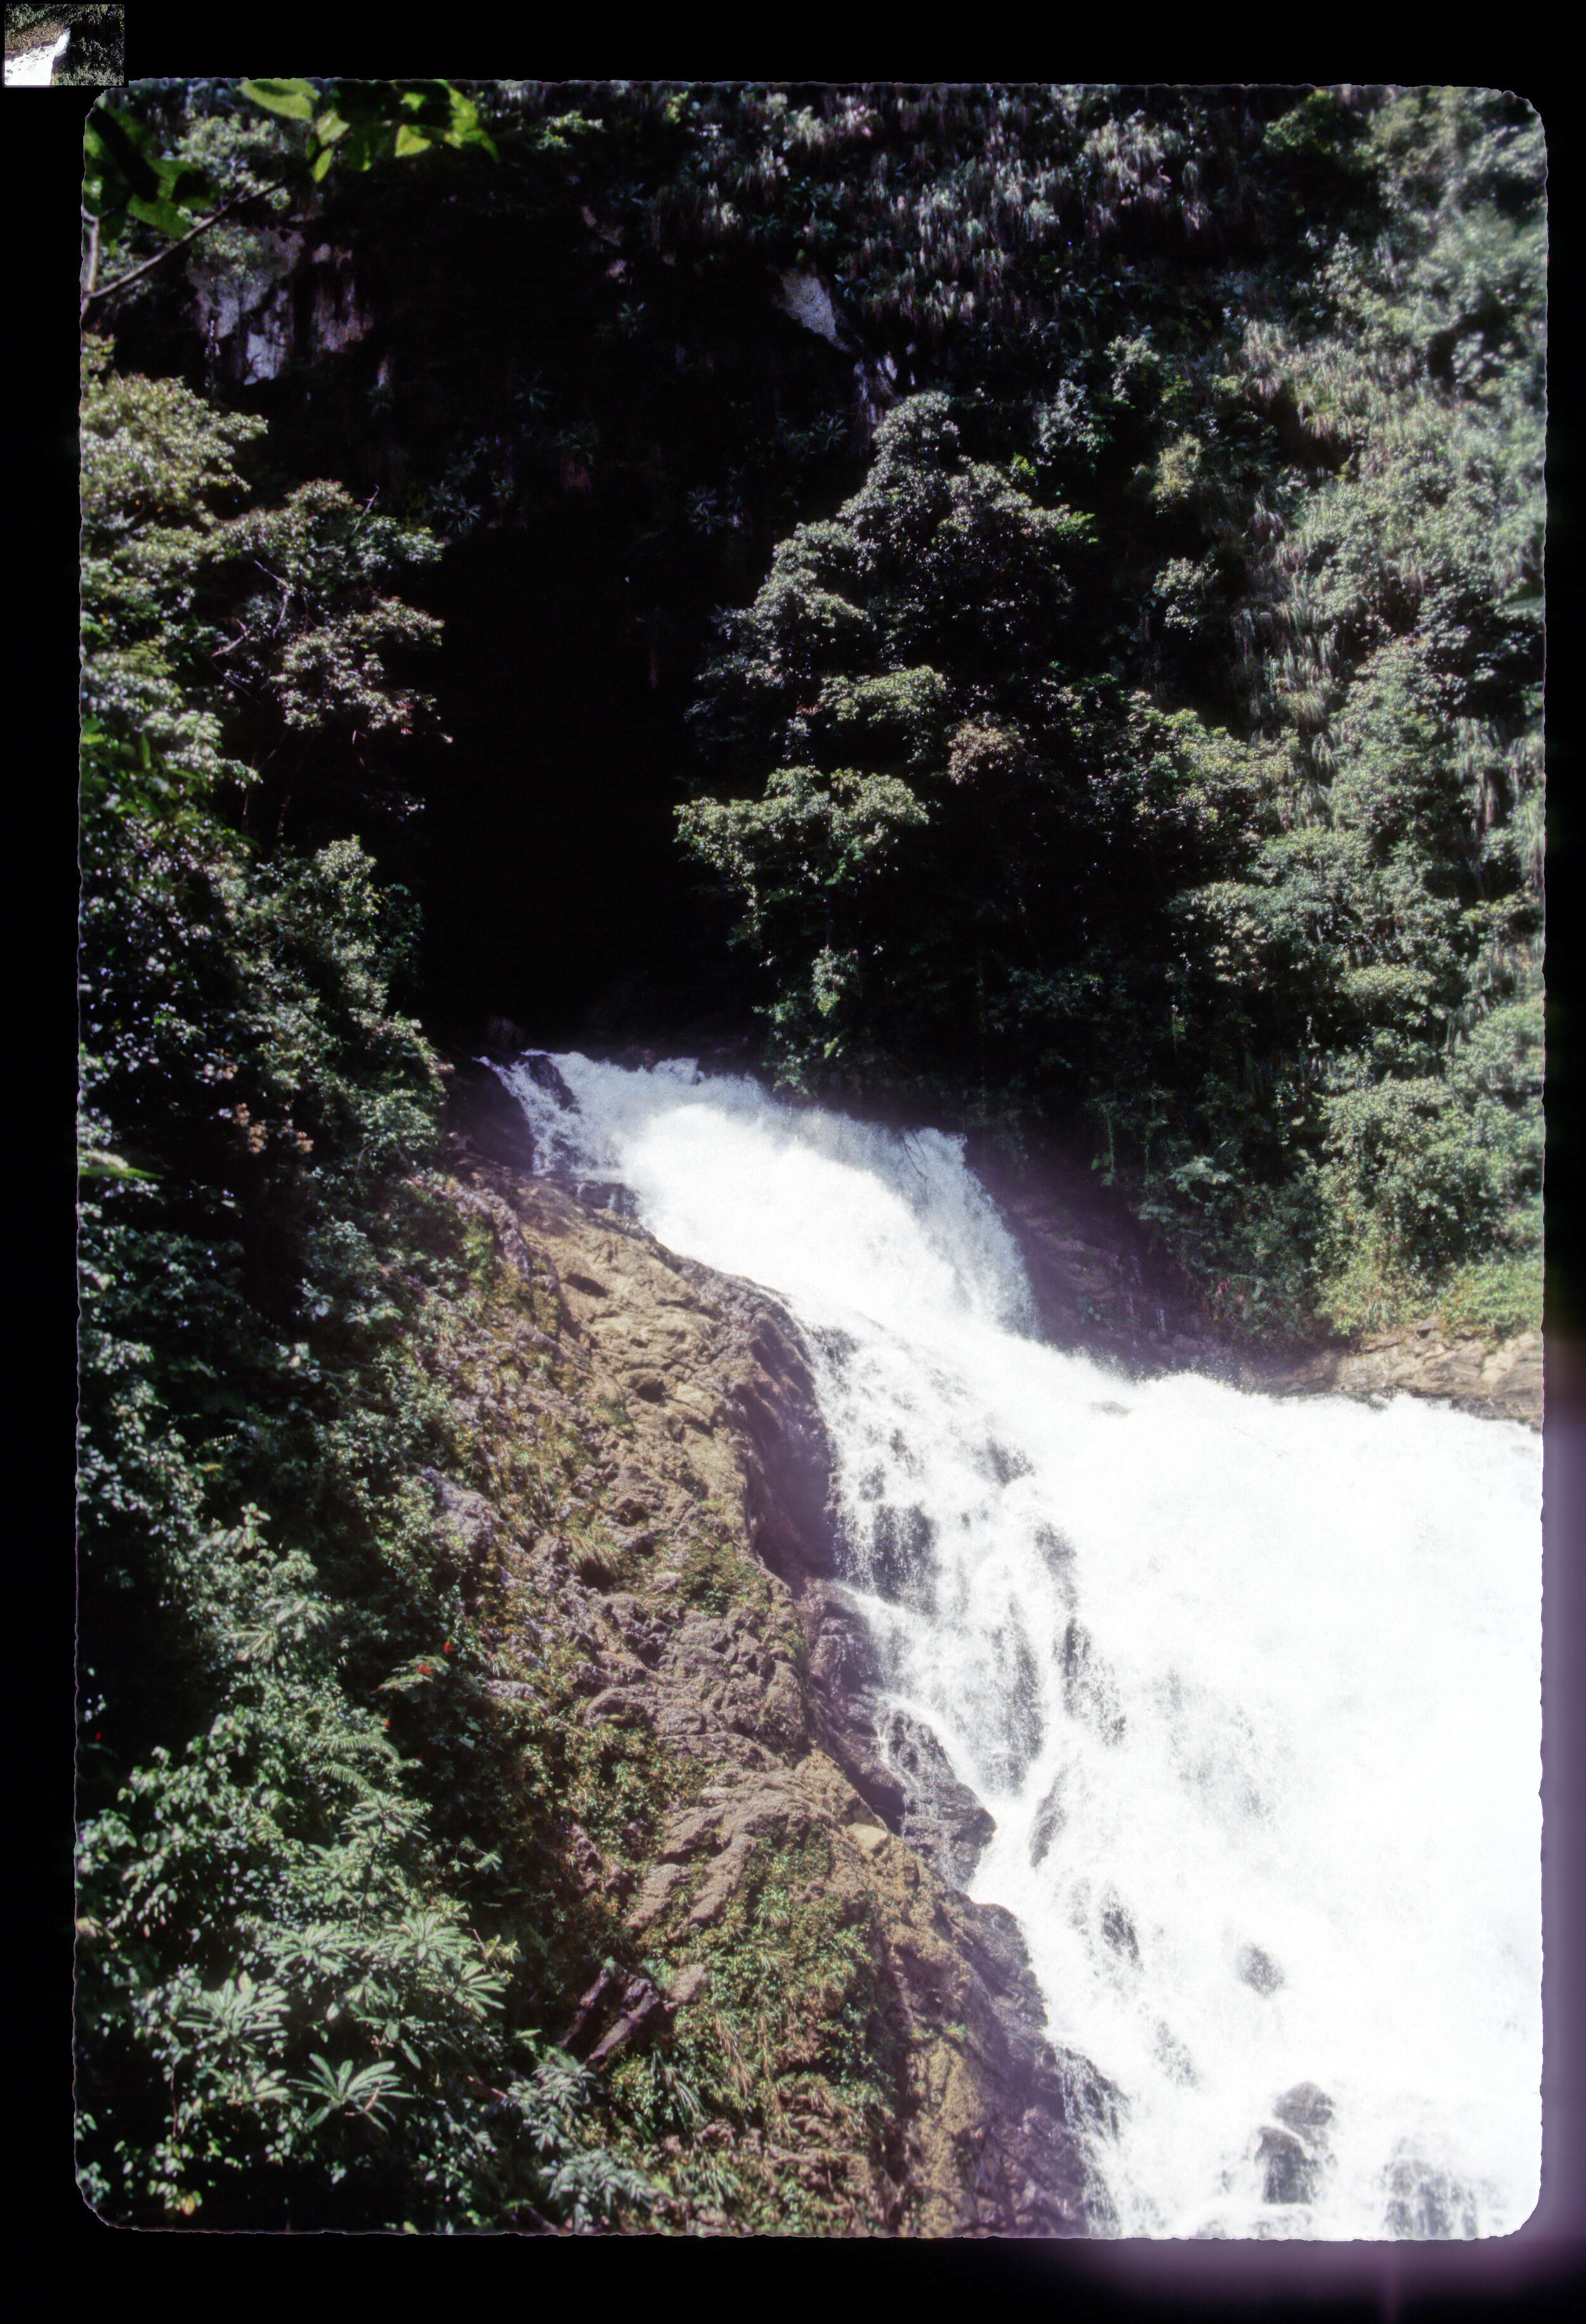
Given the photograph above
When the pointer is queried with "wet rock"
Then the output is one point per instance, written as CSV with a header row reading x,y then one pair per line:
x,y
488,1115
853,1750
790,1479
1002,1464
1293,2151
942,1820
1088,1691
1002,1958
899,1561
1097,1283
842,1655
724,1645
1050,1821
1091,2100
1118,1931
1259,1970
1290,2172
1100,1288
843,1681
1305,2108
1427,2205
1174,2058
1017,1746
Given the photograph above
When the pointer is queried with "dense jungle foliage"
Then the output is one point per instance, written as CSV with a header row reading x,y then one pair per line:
x,y
1161,743
1120,512
287,2008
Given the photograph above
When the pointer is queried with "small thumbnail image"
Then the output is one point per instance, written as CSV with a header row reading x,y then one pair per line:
x,y
64,46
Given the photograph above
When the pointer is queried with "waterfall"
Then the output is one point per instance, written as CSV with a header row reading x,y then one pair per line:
x,y
1251,1685
34,68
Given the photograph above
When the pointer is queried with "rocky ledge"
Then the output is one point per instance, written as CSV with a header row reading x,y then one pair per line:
x,y
1100,1289
687,1587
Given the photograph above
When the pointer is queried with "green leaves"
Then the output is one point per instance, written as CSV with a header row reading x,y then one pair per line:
x,y
268,1914
346,2088
357,123
123,176
293,100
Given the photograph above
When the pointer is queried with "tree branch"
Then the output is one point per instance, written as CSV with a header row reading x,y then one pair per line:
x,y
91,277
237,201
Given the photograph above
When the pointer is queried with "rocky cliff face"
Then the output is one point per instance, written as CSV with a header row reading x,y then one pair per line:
x,y
1099,1287
793,1904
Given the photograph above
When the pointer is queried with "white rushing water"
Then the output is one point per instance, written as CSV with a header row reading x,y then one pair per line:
x,y
32,67
1251,1685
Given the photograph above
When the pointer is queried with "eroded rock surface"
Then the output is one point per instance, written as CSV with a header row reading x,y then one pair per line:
x,y
684,1586
1099,1288
1500,1383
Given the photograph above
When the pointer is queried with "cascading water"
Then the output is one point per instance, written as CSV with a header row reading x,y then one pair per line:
x,y
1251,1686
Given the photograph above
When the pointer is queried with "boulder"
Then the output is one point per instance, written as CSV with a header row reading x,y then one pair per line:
x,y
1290,2172
1293,2151
942,1820
1259,1970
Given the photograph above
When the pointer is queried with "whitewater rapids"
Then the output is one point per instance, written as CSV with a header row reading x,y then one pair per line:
x,y
1251,1685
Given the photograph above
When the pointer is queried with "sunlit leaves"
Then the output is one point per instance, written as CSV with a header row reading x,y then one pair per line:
x,y
293,100
357,123
346,2088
